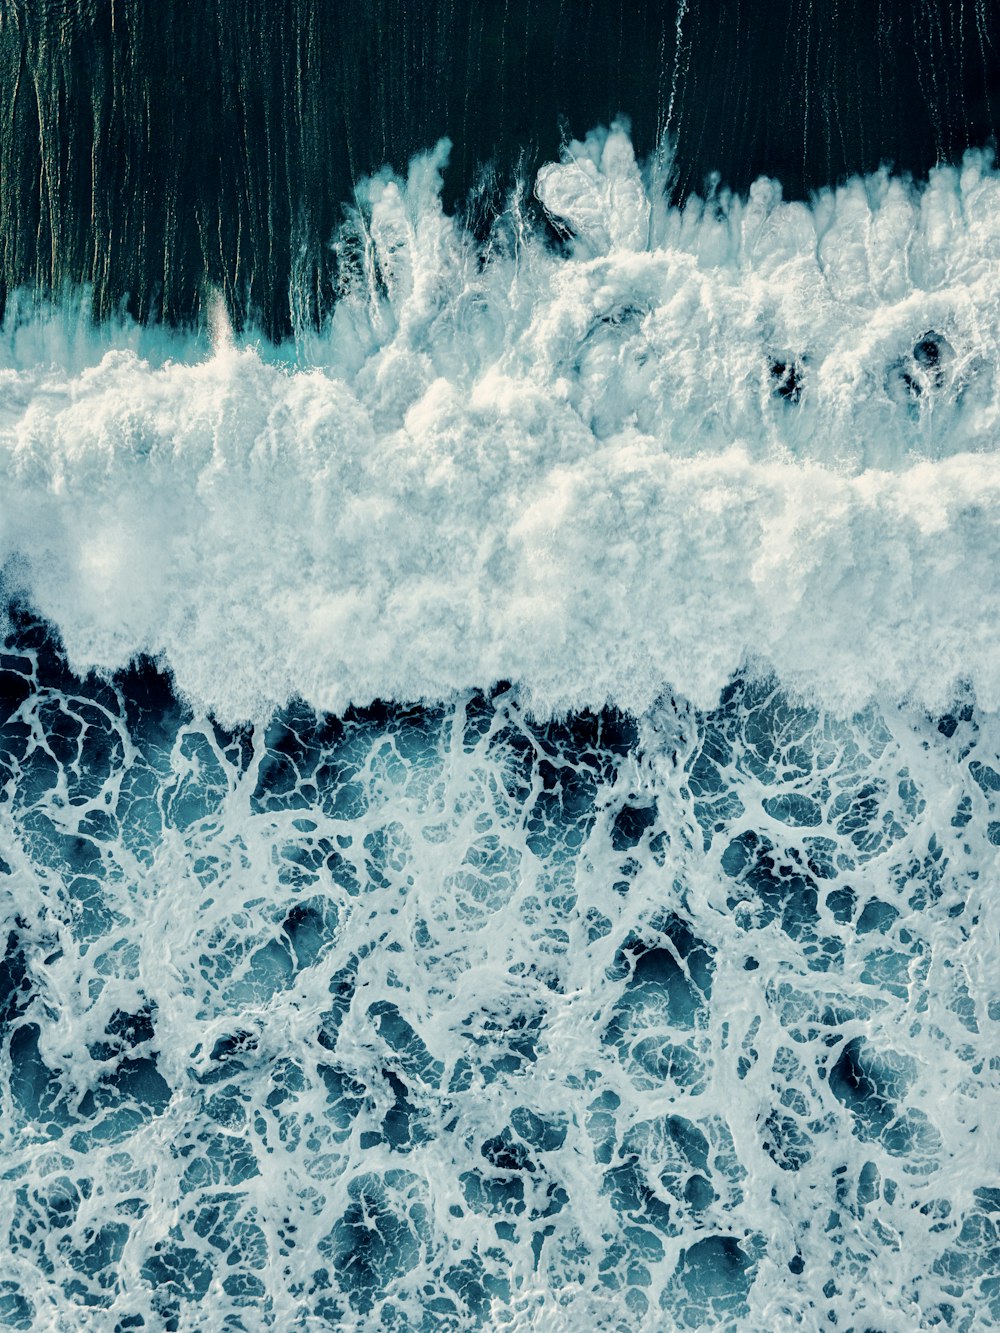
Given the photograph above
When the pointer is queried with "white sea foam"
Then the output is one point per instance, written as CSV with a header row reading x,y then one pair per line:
x,y
573,469
443,1017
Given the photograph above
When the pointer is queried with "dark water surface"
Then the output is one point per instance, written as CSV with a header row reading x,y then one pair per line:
x,y
149,149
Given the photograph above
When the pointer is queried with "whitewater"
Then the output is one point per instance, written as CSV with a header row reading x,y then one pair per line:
x,y
501,794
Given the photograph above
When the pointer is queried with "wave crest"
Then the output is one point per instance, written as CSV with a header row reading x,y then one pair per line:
x,y
741,430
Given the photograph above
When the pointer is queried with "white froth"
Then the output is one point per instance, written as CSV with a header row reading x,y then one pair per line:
x,y
570,469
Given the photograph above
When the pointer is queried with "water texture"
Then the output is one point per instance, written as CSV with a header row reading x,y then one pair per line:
x,y
157,150
443,1018
500,786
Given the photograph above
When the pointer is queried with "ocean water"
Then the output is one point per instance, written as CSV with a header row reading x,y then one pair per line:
x,y
155,150
500,792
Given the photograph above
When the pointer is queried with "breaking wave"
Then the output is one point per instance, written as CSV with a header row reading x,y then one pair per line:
x,y
690,438
500,798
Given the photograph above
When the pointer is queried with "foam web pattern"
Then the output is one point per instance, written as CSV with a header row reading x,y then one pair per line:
x,y
441,1017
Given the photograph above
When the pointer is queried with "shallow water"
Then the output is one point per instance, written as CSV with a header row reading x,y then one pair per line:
x,y
439,1017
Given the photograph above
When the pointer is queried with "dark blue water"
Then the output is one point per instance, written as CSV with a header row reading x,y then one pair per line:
x,y
151,151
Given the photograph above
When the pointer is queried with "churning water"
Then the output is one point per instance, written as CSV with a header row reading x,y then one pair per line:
x,y
500,795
